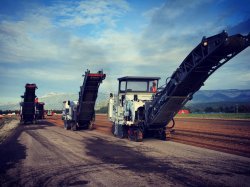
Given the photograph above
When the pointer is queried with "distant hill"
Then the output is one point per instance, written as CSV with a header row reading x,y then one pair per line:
x,y
54,101
220,101
212,96
201,99
9,106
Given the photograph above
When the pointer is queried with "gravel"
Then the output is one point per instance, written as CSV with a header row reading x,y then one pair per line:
x,y
7,127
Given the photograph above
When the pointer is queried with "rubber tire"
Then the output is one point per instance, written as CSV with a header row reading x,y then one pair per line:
x,y
133,135
113,129
66,125
91,126
73,126
163,135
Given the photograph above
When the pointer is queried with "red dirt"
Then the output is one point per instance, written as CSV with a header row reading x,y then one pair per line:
x,y
231,136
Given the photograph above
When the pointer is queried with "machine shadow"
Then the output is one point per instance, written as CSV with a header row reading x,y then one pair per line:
x,y
12,151
134,160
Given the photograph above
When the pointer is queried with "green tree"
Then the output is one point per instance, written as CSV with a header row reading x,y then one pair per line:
x,y
209,109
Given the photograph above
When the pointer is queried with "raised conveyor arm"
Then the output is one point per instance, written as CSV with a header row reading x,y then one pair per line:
x,y
29,94
87,96
204,60
28,104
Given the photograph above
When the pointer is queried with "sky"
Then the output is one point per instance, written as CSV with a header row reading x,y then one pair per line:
x,y
52,43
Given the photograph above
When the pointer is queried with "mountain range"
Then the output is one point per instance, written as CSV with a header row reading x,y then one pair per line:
x,y
212,96
54,101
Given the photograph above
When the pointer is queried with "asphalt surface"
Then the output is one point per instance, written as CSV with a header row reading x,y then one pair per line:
x,y
47,155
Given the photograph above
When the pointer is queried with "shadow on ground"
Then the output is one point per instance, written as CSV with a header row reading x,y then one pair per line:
x,y
12,151
133,160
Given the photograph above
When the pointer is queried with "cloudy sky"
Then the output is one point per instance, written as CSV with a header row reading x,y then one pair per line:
x,y
52,43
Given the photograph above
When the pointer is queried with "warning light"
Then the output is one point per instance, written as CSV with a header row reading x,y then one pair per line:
x,y
204,43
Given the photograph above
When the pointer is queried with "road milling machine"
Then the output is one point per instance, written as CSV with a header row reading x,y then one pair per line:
x,y
81,113
138,110
30,109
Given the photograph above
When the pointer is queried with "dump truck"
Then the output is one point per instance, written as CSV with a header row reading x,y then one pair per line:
x,y
81,113
27,105
138,111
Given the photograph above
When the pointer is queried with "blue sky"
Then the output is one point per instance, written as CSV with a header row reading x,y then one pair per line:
x,y
52,43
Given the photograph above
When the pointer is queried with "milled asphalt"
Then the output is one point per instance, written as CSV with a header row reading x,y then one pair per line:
x,y
47,155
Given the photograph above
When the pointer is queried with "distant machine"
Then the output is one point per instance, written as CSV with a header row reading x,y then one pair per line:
x,y
27,105
50,113
30,109
39,110
141,108
81,113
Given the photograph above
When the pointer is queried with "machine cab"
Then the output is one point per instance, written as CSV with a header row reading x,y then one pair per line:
x,y
133,92
138,84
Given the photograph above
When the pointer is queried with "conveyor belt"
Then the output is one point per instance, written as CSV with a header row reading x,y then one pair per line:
x,y
87,97
203,61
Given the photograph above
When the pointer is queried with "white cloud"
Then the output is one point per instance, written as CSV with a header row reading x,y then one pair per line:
x,y
25,41
60,41
38,36
89,12
48,74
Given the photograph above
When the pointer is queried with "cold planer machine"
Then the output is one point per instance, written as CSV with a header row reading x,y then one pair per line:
x,y
27,105
81,113
137,112
30,109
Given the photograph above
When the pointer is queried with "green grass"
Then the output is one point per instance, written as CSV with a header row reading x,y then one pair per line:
x,y
216,116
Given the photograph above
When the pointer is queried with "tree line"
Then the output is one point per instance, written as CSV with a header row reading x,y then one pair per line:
x,y
18,111
221,109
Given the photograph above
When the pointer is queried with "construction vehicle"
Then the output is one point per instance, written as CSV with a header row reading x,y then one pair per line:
x,y
50,113
81,113
137,112
27,105
39,106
